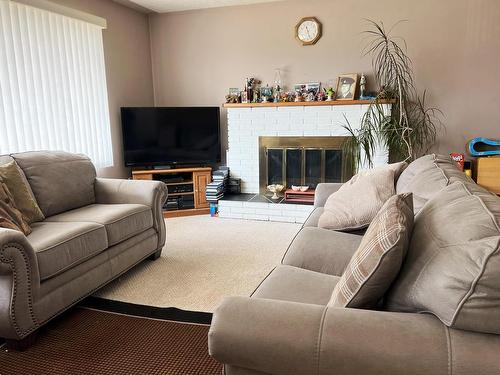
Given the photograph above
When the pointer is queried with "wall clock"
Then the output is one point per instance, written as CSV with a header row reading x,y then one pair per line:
x,y
308,30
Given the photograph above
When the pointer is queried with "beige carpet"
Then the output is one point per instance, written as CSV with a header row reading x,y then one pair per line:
x,y
205,259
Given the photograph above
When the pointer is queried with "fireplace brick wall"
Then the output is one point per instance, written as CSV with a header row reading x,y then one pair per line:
x,y
246,125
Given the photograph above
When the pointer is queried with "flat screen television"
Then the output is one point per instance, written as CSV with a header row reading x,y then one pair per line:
x,y
154,136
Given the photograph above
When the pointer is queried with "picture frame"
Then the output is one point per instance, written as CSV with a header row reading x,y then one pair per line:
x,y
266,94
308,88
347,86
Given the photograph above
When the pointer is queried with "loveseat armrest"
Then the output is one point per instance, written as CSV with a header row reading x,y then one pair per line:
x,y
148,193
323,191
280,337
19,282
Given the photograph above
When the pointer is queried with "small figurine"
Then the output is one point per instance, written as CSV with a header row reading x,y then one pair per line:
x,y
310,97
321,96
329,93
255,98
277,85
362,86
244,97
298,96
232,98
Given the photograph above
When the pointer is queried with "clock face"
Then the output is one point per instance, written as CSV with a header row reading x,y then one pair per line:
x,y
308,30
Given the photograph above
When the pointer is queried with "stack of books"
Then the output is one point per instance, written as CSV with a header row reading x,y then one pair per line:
x,y
217,188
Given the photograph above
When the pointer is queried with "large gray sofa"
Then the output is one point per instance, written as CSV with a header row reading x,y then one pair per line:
x,y
423,326
95,229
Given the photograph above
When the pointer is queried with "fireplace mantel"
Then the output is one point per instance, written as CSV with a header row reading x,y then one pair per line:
x,y
304,104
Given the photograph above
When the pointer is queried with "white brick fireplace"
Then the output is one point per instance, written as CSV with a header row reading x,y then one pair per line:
x,y
247,124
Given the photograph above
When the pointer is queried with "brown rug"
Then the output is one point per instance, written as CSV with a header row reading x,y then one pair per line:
x,y
95,342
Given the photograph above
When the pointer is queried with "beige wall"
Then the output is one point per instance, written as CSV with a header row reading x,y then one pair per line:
x,y
128,65
198,55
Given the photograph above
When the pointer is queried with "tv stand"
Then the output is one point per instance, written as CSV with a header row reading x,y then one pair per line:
x,y
187,186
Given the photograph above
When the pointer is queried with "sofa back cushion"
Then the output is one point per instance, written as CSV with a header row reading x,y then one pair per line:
x,y
452,268
426,176
60,181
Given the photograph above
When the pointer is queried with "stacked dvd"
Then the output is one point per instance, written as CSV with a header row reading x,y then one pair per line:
x,y
217,188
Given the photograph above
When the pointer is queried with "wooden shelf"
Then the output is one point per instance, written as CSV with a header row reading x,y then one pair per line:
x,y
305,104
178,183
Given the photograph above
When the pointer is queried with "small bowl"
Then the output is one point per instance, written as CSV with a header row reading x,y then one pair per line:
x,y
296,188
304,188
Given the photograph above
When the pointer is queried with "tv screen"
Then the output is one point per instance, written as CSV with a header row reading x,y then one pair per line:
x,y
171,135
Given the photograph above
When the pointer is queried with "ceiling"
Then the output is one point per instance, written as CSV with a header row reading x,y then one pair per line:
x,y
165,6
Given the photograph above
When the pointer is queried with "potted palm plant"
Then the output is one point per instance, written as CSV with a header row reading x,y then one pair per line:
x,y
411,128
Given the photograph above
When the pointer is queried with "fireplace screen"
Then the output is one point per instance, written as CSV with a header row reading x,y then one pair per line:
x,y
302,161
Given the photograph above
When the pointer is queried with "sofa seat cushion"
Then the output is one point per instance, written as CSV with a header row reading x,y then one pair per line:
x,y
322,250
61,246
287,283
121,221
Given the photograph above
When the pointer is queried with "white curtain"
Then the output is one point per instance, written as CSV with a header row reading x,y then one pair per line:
x,y
53,93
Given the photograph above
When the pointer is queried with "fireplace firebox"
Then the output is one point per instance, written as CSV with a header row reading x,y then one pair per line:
x,y
302,161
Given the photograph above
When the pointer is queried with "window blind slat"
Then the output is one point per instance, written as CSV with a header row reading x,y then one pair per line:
x,y
52,84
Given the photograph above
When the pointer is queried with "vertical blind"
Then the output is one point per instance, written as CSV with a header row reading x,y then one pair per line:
x,y
53,93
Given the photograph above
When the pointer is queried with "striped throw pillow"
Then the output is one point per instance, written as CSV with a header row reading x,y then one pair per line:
x,y
380,255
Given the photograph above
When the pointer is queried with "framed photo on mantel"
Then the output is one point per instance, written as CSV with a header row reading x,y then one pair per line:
x,y
347,85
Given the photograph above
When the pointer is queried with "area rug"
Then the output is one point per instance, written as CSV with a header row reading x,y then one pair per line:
x,y
87,341
205,259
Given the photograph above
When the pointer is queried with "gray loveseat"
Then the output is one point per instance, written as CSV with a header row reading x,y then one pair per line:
x,y
95,229
441,315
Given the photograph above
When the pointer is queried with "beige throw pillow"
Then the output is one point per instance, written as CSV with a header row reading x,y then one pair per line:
x,y
379,258
356,203
10,216
20,189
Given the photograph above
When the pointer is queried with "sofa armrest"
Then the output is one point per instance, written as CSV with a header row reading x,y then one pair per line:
x,y
19,281
323,191
279,337
148,193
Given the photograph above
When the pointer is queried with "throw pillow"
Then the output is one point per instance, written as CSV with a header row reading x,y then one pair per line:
x,y
10,216
379,258
356,203
20,189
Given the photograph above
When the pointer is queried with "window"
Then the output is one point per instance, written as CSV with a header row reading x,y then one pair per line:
x,y
53,93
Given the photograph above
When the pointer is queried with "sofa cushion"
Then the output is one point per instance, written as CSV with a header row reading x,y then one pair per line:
x,y
287,283
426,176
322,250
453,264
61,246
378,260
121,221
313,218
21,191
357,202
59,180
